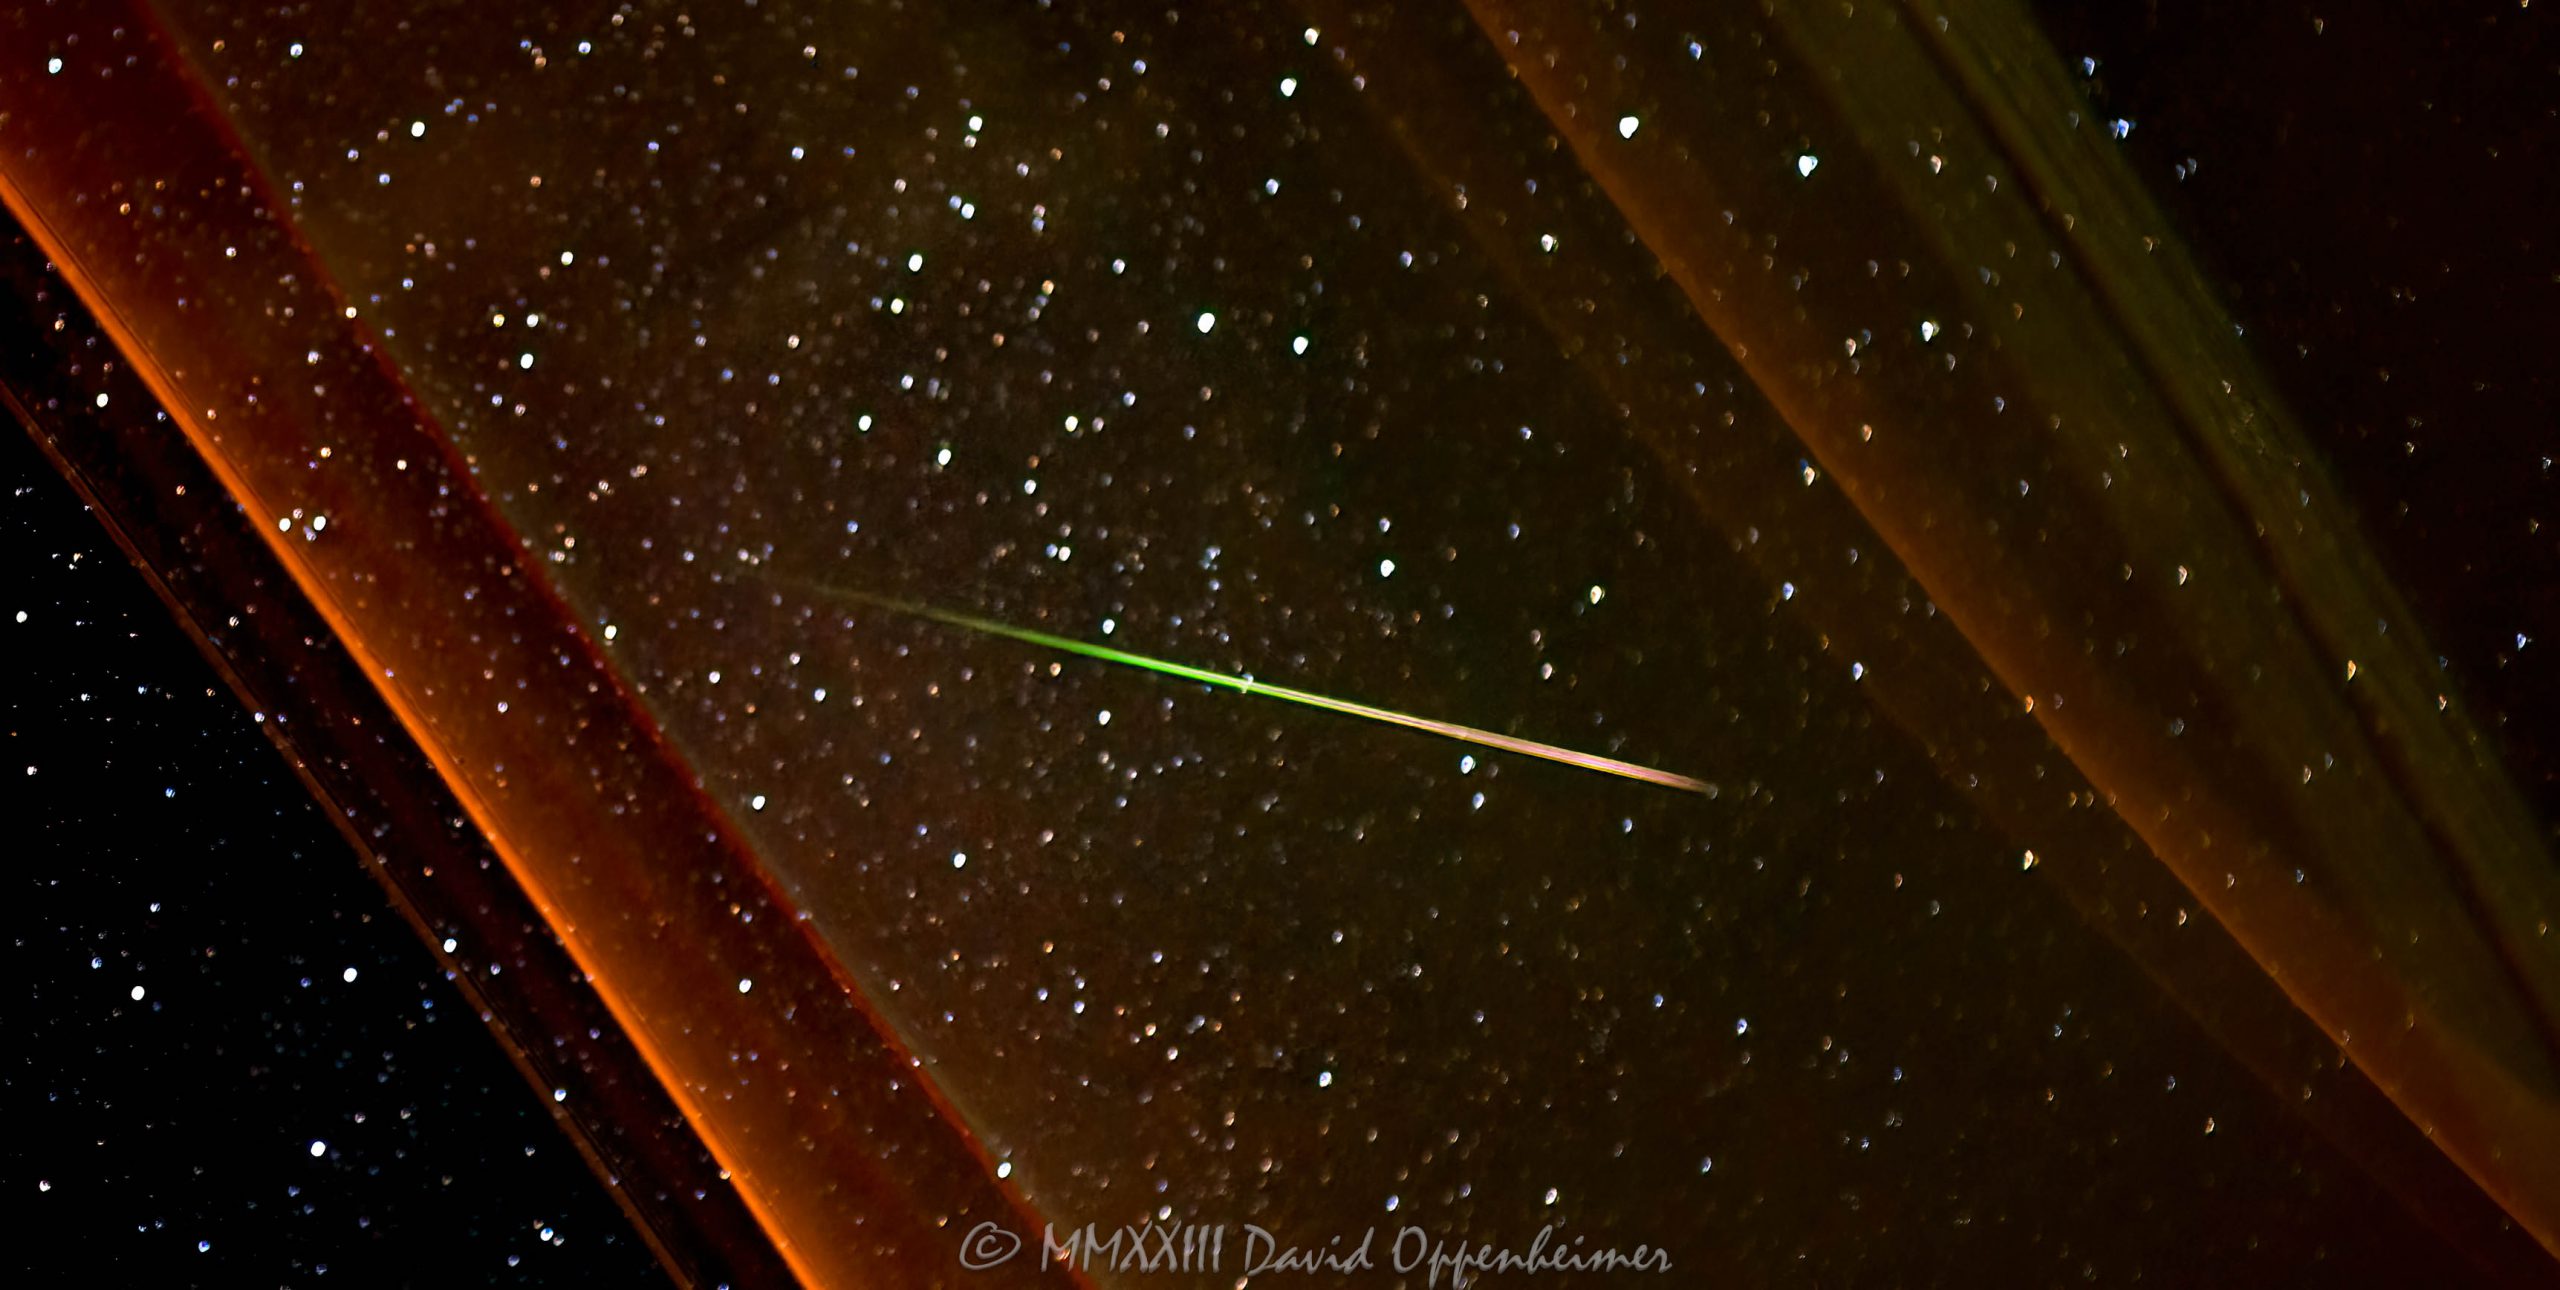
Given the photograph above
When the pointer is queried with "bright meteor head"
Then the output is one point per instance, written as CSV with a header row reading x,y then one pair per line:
x,y
1248,685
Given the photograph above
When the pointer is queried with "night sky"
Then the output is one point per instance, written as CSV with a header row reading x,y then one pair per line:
x,y
1191,339
233,1064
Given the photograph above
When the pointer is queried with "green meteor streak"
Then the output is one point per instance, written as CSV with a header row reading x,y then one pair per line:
x,y
1247,685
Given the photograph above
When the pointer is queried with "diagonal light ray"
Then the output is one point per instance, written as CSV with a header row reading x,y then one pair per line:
x,y
1248,685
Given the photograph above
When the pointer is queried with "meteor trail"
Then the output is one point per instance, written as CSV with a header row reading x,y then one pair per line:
x,y
1247,685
